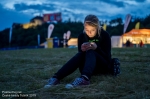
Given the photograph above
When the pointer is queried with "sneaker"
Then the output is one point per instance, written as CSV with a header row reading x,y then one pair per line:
x,y
78,82
52,81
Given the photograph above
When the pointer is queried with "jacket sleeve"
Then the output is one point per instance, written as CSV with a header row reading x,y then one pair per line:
x,y
80,41
105,48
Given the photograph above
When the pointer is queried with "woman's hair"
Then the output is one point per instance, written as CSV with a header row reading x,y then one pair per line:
x,y
92,20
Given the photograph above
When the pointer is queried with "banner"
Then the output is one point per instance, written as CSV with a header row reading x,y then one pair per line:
x,y
104,27
52,17
127,20
10,34
137,26
50,30
68,34
65,37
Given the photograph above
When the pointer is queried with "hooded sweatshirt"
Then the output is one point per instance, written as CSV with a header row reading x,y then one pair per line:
x,y
102,41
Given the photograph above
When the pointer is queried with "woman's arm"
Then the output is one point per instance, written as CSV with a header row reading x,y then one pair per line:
x,y
80,41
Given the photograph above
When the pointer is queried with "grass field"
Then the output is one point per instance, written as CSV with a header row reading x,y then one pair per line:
x,y
28,70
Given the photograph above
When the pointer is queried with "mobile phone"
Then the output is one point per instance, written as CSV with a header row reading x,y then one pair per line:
x,y
86,43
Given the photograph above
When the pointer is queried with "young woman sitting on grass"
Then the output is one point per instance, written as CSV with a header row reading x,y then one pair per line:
x,y
93,57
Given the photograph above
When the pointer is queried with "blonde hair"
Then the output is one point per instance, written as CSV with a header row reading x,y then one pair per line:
x,y
93,21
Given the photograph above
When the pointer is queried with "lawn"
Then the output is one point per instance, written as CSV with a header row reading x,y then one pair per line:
x,y
23,73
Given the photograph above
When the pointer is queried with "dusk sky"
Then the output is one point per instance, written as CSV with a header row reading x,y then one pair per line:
x,y
21,11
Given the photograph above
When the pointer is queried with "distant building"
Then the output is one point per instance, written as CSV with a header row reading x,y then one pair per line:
x,y
38,20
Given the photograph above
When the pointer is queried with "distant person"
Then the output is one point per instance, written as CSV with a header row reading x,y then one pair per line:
x,y
141,43
128,43
93,57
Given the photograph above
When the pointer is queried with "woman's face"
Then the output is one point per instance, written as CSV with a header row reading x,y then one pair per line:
x,y
90,30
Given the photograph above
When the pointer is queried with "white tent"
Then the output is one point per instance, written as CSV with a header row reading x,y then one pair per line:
x,y
73,42
116,41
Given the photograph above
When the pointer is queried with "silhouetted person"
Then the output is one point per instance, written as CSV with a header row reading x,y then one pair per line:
x,y
128,43
141,43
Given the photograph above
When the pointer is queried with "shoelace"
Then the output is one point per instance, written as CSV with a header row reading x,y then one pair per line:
x,y
77,81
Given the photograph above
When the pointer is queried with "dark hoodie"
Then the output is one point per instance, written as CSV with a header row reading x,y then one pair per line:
x,y
103,43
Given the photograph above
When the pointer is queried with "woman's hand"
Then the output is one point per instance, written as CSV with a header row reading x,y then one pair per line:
x,y
87,46
92,46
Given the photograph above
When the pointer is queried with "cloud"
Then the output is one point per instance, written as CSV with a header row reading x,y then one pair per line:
x,y
116,3
23,6
24,10
8,17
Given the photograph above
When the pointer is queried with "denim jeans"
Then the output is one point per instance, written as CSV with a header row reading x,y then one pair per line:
x,y
89,63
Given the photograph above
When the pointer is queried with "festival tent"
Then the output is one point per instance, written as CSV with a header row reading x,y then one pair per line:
x,y
116,41
135,36
73,42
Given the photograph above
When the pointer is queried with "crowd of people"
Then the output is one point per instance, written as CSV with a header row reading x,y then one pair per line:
x,y
130,44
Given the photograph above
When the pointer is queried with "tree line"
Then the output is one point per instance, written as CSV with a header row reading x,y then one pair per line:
x,y
28,37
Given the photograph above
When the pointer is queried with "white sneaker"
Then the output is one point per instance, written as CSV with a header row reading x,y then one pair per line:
x,y
52,81
77,82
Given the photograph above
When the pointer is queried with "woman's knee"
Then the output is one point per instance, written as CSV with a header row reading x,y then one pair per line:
x,y
90,53
79,54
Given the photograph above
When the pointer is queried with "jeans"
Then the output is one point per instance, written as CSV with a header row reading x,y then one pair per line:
x,y
89,63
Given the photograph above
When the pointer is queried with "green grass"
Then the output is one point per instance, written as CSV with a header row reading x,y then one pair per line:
x,y
28,71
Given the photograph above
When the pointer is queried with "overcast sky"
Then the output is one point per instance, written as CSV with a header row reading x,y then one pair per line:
x,y
21,11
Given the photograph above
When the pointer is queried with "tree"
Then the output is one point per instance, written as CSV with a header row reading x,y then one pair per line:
x,y
28,37
146,22
115,32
